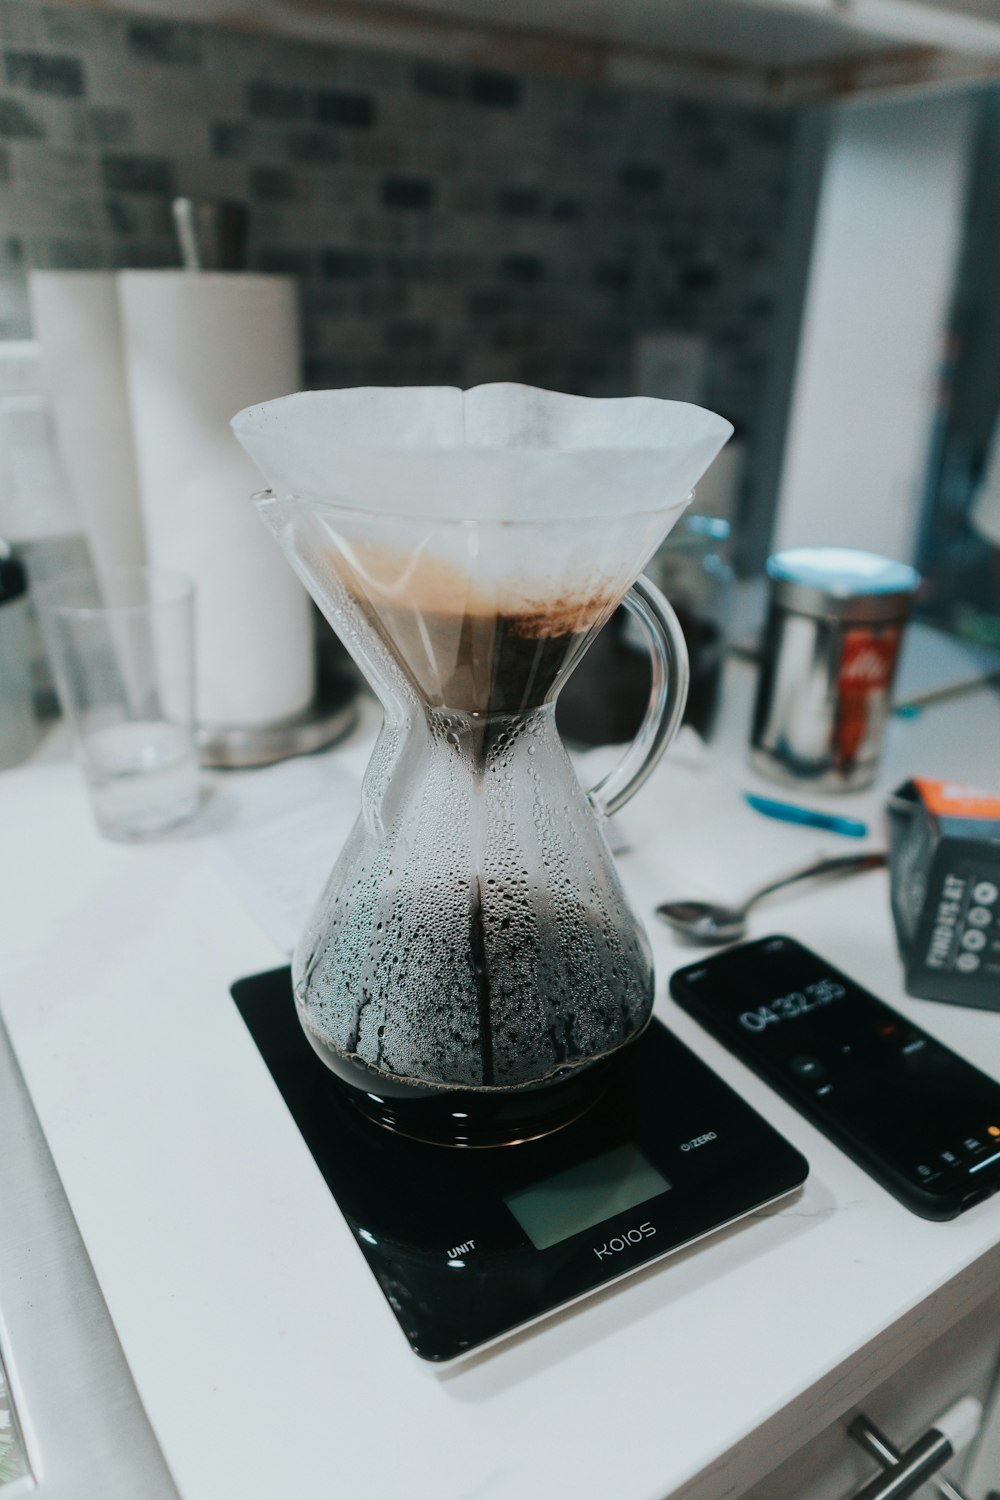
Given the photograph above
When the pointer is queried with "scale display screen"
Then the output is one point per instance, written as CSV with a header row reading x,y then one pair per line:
x,y
568,1202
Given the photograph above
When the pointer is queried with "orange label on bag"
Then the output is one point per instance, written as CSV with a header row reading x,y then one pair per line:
x,y
950,799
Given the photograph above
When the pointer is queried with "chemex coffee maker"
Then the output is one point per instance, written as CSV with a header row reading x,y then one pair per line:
x,y
473,975
473,964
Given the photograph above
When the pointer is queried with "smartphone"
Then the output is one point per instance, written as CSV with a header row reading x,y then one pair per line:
x,y
920,1119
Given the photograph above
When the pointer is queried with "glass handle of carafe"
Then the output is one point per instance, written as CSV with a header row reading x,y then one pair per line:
x,y
662,633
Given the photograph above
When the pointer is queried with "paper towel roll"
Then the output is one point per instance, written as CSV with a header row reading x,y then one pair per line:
x,y
198,347
76,322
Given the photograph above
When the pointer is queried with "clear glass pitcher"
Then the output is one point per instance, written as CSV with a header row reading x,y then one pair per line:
x,y
473,971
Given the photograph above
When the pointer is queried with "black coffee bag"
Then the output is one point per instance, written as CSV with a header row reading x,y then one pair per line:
x,y
944,844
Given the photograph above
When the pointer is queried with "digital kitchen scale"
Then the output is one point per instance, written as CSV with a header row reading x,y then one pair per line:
x,y
469,1245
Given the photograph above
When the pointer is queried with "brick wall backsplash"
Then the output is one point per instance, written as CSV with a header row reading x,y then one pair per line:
x,y
446,224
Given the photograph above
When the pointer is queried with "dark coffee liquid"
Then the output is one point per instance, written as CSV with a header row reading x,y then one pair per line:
x,y
479,663
539,1006
471,1117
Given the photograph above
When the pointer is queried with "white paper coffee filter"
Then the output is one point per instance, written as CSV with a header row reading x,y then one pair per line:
x,y
496,452
501,497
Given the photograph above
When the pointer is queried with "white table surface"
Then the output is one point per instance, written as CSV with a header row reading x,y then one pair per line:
x,y
262,1349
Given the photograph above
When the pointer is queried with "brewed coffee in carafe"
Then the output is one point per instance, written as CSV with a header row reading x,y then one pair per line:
x,y
473,972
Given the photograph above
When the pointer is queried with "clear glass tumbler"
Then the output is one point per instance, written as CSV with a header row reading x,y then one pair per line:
x,y
122,654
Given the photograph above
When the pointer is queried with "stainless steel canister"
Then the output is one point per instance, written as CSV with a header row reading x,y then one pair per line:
x,y
831,644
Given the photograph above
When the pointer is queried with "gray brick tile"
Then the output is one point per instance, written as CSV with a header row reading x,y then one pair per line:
x,y
327,372
519,201
165,131
138,174
284,262
281,101
63,121
376,151
448,156
437,80
121,215
114,78
274,183
229,138
78,215
640,177
468,198
210,177
165,42
323,301
614,276
490,302
12,253
161,96
348,109
109,126
152,255
573,135
364,68
494,90
379,230
411,193
385,300
269,224
246,54
40,166
18,122
15,314
45,73
37,213
351,263
438,302
313,146
521,268
57,26
68,254
22,23
409,334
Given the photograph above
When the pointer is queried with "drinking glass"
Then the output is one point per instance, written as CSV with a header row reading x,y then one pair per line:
x,y
122,653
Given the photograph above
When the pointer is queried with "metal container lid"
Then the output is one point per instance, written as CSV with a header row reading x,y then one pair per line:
x,y
13,578
842,582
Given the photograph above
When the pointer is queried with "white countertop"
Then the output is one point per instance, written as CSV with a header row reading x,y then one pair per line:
x,y
263,1351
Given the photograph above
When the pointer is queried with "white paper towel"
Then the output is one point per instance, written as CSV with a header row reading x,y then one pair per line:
x,y
198,347
75,317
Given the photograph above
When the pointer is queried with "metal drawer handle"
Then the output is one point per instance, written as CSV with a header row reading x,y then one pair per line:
x,y
876,1443
910,1469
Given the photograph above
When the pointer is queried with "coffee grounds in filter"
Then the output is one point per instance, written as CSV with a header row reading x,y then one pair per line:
x,y
462,647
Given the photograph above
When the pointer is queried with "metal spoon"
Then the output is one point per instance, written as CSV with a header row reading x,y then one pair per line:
x,y
705,922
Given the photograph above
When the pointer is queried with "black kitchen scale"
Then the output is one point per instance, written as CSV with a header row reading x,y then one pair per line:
x,y
468,1246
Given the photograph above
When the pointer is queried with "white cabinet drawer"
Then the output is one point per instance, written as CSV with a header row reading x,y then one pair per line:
x,y
832,1466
